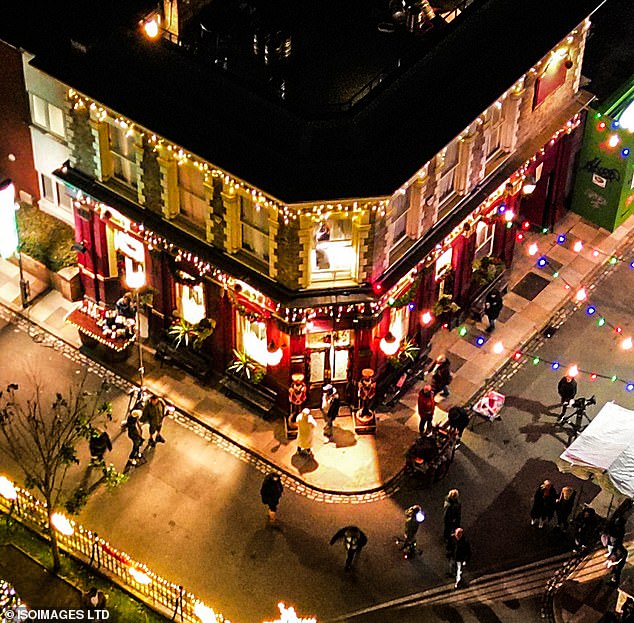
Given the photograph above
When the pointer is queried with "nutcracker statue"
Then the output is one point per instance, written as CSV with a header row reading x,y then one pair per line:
x,y
296,398
364,417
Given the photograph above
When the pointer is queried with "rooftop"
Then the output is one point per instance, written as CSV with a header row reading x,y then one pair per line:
x,y
296,149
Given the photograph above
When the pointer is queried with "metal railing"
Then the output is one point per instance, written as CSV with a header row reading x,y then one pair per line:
x,y
133,576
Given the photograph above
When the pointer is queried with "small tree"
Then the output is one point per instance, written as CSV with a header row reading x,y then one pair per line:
x,y
41,436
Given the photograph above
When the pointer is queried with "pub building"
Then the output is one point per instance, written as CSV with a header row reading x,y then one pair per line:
x,y
320,247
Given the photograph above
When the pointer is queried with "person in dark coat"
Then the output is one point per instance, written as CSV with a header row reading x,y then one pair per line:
x,y
414,517
330,407
153,414
615,564
458,419
585,528
135,433
493,307
564,505
94,599
271,492
567,389
426,408
354,540
452,514
459,554
98,444
544,502
125,306
441,376
614,533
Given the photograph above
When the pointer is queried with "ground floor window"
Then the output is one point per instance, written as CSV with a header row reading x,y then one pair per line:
x,y
190,301
484,239
251,338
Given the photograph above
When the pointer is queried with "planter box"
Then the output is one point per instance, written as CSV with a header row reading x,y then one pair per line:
x,y
35,268
67,282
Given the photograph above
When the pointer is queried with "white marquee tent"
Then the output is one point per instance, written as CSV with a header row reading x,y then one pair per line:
x,y
605,451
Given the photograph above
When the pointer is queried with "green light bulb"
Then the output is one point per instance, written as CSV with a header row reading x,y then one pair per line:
x,y
613,260
462,331
535,360
601,321
556,274
544,230
613,378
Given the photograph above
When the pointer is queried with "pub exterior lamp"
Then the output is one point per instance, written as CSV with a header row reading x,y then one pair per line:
x,y
135,280
7,490
530,183
389,344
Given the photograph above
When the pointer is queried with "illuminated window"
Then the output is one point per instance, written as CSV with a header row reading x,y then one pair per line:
x,y
191,302
448,172
251,338
399,216
123,155
484,239
193,204
255,228
47,116
333,255
443,263
493,132
329,355
399,322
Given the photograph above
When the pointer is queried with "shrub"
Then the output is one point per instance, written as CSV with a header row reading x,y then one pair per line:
x,y
45,238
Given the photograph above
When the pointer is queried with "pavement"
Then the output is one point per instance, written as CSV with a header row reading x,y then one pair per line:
x,y
363,464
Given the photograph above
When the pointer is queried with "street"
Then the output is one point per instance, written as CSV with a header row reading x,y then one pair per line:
x,y
193,512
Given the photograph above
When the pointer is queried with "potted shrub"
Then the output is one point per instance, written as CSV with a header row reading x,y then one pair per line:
x,y
185,334
486,270
407,354
445,309
246,368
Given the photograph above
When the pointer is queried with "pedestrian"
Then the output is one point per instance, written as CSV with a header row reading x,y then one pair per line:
x,y
544,502
305,431
354,540
627,611
414,517
135,433
271,492
98,444
459,554
125,306
564,505
615,563
153,414
441,376
585,528
458,419
94,599
492,307
614,533
567,389
426,408
330,404
452,514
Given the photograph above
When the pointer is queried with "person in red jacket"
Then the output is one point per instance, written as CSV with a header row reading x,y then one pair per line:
x,y
426,406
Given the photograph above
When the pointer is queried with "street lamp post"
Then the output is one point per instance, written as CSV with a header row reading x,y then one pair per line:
x,y
136,280
10,236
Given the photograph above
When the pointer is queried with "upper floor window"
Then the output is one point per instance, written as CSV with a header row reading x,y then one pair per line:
x,y
552,77
123,154
192,193
493,132
47,116
333,256
254,221
448,172
399,216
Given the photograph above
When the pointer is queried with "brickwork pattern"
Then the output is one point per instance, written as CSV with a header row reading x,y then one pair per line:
x,y
81,141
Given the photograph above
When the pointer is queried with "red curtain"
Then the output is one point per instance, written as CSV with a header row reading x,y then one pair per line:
x,y
461,261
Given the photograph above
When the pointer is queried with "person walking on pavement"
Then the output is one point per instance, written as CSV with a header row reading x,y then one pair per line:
x,y
271,492
135,433
493,307
452,514
567,390
306,425
354,540
614,533
544,502
441,376
563,507
414,517
98,444
426,408
459,554
330,404
153,414
585,528
615,564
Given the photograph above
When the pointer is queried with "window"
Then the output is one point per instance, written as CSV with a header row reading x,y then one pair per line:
x,y
443,263
399,322
447,173
63,198
484,239
553,76
193,204
493,132
47,188
191,302
329,355
54,191
255,228
47,116
251,338
333,256
123,156
399,216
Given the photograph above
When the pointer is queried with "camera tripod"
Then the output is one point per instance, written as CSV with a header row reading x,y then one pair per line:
x,y
576,418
